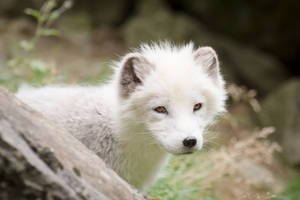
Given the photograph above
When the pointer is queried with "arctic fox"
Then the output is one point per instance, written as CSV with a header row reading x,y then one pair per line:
x,y
159,101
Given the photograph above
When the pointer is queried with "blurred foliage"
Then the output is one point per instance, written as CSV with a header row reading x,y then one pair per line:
x,y
106,72
25,66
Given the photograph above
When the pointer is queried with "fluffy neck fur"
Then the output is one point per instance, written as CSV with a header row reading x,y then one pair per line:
x,y
140,158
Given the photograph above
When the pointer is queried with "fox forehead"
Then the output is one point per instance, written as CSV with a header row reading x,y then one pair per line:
x,y
184,82
174,64
176,72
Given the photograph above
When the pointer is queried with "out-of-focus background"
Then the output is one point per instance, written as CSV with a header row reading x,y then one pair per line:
x,y
254,152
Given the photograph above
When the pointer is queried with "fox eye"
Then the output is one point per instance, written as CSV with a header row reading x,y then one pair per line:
x,y
161,109
197,106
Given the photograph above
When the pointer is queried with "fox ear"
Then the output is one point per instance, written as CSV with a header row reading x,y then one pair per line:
x,y
134,69
208,58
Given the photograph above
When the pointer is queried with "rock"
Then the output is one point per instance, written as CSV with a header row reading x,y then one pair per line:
x,y
4,72
105,12
75,27
269,24
155,22
39,161
281,109
240,64
2,54
250,66
16,8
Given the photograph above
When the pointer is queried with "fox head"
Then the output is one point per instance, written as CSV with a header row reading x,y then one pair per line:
x,y
171,94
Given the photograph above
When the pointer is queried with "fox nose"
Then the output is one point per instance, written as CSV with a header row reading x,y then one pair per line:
x,y
189,142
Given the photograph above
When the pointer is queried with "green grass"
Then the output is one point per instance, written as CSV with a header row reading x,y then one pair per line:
x,y
292,191
23,66
174,185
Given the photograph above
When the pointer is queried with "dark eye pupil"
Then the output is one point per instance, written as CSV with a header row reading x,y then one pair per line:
x,y
197,106
160,109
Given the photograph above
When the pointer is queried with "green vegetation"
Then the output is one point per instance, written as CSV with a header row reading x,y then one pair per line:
x,y
25,66
292,191
174,185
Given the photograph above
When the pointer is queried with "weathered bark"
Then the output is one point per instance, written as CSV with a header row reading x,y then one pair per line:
x,y
39,161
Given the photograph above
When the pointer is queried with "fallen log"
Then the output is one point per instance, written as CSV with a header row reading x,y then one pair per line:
x,y
40,161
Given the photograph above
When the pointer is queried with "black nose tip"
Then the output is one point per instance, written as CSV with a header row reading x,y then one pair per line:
x,y
189,142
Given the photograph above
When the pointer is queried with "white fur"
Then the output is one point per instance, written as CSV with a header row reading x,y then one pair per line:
x,y
125,130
